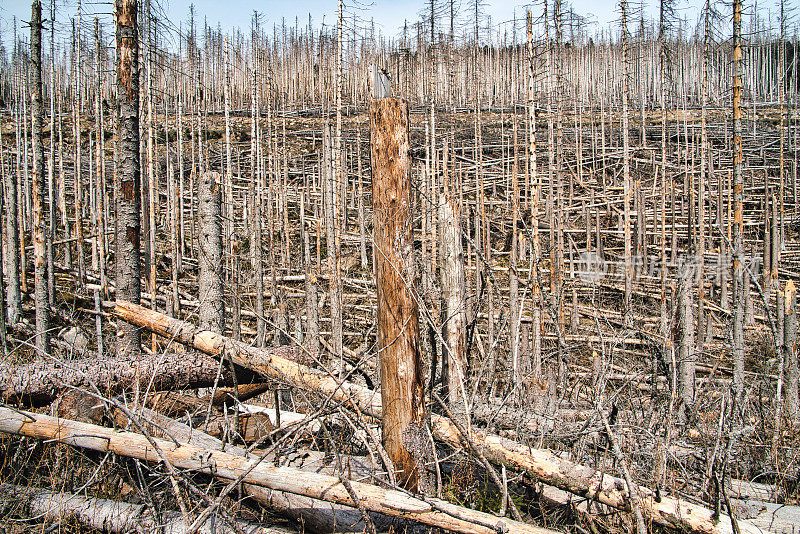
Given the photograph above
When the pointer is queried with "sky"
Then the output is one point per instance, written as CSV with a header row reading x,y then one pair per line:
x,y
387,14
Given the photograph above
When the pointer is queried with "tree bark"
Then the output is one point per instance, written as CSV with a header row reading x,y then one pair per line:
x,y
41,299
128,220
454,318
38,383
398,314
212,305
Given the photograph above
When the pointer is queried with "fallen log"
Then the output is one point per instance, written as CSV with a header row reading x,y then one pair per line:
x,y
771,517
314,515
111,516
172,403
432,512
39,382
256,421
541,465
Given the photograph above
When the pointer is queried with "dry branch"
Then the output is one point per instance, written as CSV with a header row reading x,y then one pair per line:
x,y
226,466
542,465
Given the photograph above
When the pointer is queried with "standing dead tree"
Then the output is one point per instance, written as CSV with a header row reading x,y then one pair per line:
x,y
39,221
404,433
454,317
212,302
127,177
738,207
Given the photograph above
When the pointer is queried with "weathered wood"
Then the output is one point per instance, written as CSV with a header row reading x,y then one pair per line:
x,y
398,313
212,304
127,177
274,363
454,323
114,517
541,465
39,226
223,465
39,382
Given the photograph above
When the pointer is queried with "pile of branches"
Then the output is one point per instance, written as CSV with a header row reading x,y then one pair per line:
x,y
164,454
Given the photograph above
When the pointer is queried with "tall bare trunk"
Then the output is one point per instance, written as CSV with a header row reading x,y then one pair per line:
x,y
212,304
454,318
533,179
626,169
127,177
41,299
398,315
738,207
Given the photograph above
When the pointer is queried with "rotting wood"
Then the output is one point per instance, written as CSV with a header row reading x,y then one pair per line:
x,y
398,312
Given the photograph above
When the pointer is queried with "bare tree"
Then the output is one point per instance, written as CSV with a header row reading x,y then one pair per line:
x,y
127,177
402,391
212,304
39,221
738,207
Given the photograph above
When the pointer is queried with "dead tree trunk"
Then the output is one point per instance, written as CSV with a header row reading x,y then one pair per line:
x,y
790,350
127,177
453,292
51,223
398,314
626,170
533,180
686,352
39,382
212,305
738,207
41,300
117,517
231,467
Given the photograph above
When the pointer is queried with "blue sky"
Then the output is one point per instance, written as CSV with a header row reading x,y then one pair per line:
x,y
388,14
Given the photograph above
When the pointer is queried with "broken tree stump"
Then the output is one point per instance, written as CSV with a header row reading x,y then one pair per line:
x,y
398,314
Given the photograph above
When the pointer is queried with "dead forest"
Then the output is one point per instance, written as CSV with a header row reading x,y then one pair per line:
x,y
477,276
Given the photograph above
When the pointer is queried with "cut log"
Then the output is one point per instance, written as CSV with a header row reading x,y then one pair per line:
x,y
541,465
40,382
113,516
433,512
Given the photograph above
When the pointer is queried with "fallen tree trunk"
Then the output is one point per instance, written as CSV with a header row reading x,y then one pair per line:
x,y
111,516
315,515
40,382
433,512
541,465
